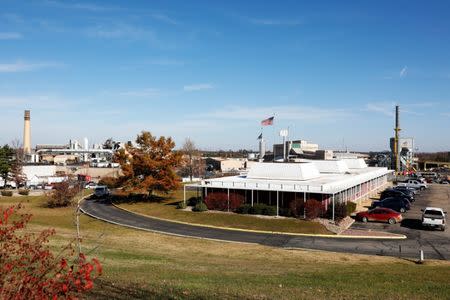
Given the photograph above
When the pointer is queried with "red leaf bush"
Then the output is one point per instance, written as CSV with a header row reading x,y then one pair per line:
x,y
29,270
219,201
313,209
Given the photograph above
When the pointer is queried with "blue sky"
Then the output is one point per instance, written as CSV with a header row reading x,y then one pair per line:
x,y
212,70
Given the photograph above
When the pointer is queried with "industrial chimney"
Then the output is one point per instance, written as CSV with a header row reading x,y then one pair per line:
x,y
27,133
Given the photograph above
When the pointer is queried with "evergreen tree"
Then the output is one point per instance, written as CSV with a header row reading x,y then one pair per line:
x,y
6,157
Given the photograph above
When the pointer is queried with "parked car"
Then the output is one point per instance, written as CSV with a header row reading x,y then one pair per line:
x,y
410,190
414,183
91,185
388,193
380,214
399,204
48,187
101,191
434,217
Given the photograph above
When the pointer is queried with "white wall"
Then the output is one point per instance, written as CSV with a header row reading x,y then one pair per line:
x,y
31,171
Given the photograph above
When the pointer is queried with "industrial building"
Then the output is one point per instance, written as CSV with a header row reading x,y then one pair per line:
x,y
405,153
277,184
402,149
299,149
228,165
71,153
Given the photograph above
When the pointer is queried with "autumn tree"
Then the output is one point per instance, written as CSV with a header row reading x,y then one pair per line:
x,y
6,157
150,164
194,165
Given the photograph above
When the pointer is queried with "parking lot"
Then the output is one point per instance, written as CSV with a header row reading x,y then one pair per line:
x,y
437,195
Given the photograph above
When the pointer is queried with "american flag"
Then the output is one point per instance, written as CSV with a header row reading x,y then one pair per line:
x,y
267,122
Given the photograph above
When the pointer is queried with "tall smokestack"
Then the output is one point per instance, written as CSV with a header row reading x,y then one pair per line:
x,y
27,133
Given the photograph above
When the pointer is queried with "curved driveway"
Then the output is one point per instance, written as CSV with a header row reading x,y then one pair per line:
x,y
409,247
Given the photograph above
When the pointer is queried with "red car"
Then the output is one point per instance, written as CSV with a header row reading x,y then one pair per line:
x,y
380,214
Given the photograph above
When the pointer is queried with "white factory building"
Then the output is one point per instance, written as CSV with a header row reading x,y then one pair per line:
x,y
328,181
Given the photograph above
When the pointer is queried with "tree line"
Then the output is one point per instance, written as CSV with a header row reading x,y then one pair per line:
x,y
12,159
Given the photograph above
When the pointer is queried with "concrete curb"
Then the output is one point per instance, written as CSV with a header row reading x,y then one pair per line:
x,y
398,237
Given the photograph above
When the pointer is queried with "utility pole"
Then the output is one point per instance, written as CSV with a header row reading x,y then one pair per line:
x,y
284,133
396,140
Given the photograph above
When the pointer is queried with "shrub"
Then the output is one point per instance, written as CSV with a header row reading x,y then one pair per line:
x,y
31,271
193,201
340,210
256,209
7,193
24,192
313,209
297,207
219,201
262,209
181,205
62,195
351,207
286,212
244,209
269,210
200,207
137,196
110,182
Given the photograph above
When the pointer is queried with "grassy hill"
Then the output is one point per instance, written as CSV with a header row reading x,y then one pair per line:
x,y
147,265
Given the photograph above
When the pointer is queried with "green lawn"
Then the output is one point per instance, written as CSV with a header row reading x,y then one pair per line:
x,y
147,265
166,209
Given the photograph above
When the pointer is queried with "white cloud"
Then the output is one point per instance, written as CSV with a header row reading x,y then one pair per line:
x,y
165,62
198,87
12,18
289,113
21,66
385,108
33,101
425,104
388,108
403,72
150,92
275,22
114,31
120,31
10,36
164,18
80,6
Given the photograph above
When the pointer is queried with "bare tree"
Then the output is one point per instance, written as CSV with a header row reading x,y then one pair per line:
x,y
195,165
17,175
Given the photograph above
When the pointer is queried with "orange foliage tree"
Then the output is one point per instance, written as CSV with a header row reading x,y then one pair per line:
x,y
150,164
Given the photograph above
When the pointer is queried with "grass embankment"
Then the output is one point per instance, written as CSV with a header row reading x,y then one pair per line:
x,y
147,265
166,209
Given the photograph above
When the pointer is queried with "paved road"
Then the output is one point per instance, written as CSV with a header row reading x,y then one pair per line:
x,y
434,246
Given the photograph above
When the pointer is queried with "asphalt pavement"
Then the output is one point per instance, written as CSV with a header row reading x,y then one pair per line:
x,y
436,245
